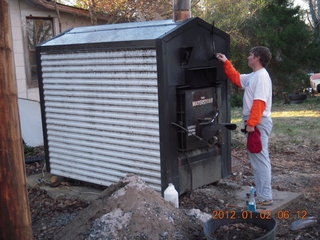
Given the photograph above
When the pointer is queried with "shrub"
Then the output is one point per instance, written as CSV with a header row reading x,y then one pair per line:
x,y
236,100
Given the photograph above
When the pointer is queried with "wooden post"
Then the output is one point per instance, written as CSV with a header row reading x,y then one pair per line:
x,y
15,219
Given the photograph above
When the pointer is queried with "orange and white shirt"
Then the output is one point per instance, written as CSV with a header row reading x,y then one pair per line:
x,y
257,99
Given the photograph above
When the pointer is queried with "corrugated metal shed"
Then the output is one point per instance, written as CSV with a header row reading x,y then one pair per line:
x,y
108,99
101,107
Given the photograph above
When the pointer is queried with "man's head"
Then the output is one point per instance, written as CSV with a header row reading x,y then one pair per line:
x,y
263,53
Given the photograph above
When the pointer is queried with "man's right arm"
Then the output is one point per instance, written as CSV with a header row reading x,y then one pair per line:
x,y
232,73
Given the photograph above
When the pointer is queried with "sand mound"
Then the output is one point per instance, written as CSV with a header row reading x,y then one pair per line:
x,y
131,209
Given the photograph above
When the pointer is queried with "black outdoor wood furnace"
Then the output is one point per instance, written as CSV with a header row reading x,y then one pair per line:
x,y
147,98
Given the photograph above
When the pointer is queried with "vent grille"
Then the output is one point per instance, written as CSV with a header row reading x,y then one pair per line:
x,y
102,115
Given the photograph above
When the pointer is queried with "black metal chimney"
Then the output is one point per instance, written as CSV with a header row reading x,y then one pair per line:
x,y
181,10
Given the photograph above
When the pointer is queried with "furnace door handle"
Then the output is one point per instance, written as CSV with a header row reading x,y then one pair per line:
x,y
229,126
187,131
210,121
207,123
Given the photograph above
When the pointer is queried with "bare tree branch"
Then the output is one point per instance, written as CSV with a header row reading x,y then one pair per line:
x,y
127,10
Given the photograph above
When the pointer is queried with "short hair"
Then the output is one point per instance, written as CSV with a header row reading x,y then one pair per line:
x,y
264,54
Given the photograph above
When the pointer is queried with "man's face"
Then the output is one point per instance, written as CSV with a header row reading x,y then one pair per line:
x,y
253,60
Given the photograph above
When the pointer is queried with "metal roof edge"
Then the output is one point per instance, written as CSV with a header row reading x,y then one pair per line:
x,y
189,23
120,26
57,36
143,44
178,25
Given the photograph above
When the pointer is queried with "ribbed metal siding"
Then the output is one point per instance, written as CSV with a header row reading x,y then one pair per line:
x,y
101,113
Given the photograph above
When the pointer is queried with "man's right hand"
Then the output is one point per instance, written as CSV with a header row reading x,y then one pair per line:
x,y
221,57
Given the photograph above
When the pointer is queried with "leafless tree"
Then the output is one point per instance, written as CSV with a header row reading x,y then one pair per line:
x,y
128,10
314,15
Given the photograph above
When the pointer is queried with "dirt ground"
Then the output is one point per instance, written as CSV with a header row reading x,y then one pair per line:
x,y
295,167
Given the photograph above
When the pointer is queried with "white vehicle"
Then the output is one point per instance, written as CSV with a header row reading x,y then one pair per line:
x,y
315,82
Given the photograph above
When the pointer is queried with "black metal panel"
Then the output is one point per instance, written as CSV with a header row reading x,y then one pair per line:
x,y
42,107
195,106
187,66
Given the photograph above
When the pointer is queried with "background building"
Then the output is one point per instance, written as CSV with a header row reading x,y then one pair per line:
x,y
32,22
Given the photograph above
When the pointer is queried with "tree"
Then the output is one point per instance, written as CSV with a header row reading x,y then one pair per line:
x,y
280,27
314,13
128,10
229,16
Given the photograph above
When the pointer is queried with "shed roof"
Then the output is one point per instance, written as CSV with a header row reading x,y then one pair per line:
x,y
50,5
122,32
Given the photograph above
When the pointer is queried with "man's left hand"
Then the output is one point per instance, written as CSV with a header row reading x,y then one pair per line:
x,y
250,128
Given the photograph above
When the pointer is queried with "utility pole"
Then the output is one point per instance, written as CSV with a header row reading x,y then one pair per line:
x,y
15,218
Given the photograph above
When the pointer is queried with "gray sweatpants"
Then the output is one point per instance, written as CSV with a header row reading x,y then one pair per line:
x,y
260,162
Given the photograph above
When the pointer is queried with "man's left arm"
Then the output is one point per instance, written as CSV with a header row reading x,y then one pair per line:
x,y
256,113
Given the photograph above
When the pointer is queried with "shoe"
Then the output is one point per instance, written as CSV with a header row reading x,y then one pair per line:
x,y
264,203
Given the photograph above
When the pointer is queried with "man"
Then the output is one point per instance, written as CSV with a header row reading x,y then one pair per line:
x,y
257,101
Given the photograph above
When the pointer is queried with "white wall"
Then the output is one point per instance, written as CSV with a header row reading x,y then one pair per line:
x,y
31,124
18,50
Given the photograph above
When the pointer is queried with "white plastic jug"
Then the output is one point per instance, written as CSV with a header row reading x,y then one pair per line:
x,y
171,195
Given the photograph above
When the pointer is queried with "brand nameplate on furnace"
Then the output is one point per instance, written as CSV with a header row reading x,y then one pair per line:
x,y
202,102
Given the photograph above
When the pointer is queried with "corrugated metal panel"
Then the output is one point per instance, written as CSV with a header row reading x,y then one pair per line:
x,y
102,115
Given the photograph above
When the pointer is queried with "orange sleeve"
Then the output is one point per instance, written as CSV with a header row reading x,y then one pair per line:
x,y
232,73
256,112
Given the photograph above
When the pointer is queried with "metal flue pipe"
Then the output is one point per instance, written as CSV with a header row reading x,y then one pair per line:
x,y
181,10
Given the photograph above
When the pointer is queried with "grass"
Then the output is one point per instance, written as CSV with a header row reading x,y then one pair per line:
x,y
28,151
297,113
293,124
